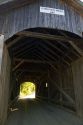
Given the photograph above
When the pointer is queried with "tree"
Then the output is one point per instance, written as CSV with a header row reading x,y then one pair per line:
x,y
27,88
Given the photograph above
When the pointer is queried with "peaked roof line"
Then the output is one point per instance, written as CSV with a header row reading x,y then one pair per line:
x,y
19,3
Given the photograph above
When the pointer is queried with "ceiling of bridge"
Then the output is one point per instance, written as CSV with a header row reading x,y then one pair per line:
x,y
43,47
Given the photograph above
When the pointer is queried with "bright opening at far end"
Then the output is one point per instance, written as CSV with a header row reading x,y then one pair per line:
x,y
27,90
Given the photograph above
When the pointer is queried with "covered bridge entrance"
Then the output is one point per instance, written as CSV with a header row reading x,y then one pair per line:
x,y
52,59
42,44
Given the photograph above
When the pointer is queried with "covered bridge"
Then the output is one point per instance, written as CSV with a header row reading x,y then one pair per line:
x,y
41,42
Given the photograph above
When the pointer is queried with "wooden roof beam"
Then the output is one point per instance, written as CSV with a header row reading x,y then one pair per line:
x,y
47,36
14,41
58,49
54,53
23,48
19,64
33,61
28,51
45,57
39,35
76,48
49,62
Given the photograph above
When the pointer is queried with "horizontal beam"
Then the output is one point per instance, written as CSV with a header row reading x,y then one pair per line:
x,y
34,61
32,71
42,36
47,36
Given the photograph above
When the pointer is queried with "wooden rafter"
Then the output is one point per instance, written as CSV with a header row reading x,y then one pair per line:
x,y
46,58
28,51
30,44
58,49
51,53
48,62
14,41
42,36
33,61
77,49
20,63
32,71
47,36
66,47
45,54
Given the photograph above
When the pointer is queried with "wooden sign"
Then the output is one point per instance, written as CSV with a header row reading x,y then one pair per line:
x,y
52,11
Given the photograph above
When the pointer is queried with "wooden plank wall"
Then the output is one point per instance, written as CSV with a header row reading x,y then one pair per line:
x,y
29,16
64,80
4,83
67,81
77,69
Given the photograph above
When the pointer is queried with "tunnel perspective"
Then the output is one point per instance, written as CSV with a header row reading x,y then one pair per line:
x,y
45,57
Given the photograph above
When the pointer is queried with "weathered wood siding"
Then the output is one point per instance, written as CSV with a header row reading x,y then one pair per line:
x,y
4,86
62,87
77,69
29,16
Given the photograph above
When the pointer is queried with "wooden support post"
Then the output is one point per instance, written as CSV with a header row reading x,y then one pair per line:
x,y
1,49
5,65
1,89
5,81
48,86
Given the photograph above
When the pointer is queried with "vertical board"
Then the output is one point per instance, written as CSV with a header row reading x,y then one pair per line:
x,y
1,51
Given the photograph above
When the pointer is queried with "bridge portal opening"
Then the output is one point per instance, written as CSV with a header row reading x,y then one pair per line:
x,y
51,58
27,90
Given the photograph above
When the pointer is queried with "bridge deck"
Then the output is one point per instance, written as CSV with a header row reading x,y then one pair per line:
x,y
41,113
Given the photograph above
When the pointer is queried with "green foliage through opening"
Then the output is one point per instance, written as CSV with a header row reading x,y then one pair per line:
x,y
27,90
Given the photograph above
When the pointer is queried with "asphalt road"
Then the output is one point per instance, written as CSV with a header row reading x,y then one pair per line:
x,y
35,112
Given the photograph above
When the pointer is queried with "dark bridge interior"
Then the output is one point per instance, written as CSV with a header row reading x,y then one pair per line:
x,y
42,55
